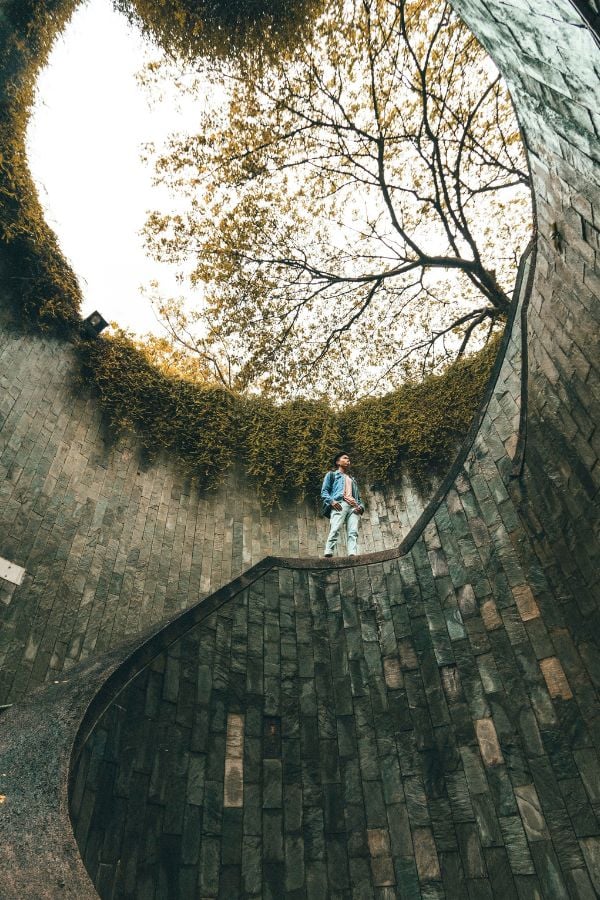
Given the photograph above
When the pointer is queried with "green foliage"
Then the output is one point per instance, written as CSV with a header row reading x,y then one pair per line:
x,y
420,424
286,448
197,424
42,286
219,28
353,211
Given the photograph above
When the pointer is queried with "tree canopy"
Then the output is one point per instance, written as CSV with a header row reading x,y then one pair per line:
x,y
353,211
219,28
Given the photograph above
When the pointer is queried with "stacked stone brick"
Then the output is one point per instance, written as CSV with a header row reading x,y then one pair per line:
x,y
418,726
112,544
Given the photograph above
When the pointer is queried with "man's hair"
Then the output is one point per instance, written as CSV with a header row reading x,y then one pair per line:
x,y
337,456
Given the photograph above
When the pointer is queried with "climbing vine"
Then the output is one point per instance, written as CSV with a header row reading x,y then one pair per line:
x,y
41,285
419,426
286,448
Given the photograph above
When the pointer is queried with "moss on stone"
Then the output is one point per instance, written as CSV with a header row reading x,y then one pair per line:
x,y
41,285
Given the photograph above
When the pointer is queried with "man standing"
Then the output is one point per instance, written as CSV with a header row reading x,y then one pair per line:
x,y
340,493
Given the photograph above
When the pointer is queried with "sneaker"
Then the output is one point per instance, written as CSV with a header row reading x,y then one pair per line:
x,y
327,555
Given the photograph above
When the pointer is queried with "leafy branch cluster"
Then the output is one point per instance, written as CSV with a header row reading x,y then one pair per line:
x,y
42,287
219,28
286,448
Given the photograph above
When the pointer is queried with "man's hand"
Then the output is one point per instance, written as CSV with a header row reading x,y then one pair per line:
x,y
358,510
335,504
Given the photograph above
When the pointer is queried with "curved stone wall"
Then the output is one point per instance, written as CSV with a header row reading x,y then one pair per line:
x,y
548,52
110,543
414,726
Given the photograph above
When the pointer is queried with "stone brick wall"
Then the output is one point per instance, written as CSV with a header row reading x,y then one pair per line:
x,y
111,544
422,725
549,56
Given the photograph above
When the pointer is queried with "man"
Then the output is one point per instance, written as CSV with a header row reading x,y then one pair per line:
x,y
340,492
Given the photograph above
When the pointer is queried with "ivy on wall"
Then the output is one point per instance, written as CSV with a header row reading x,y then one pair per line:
x,y
287,448
284,448
41,285
420,425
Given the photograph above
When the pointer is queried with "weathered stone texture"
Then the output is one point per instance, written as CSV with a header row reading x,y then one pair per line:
x,y
112,543
550,59
401,738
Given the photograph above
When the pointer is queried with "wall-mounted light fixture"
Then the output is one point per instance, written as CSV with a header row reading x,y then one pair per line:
x,y
94,323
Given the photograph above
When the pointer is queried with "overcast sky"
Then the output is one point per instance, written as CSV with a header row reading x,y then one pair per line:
x,y
85,136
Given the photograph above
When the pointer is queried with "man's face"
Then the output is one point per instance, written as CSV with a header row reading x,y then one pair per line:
x,y
344,461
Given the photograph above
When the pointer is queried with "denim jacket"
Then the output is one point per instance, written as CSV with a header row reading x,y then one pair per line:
x,y
337,488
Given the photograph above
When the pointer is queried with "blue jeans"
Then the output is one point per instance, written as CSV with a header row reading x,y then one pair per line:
x,y
338,517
